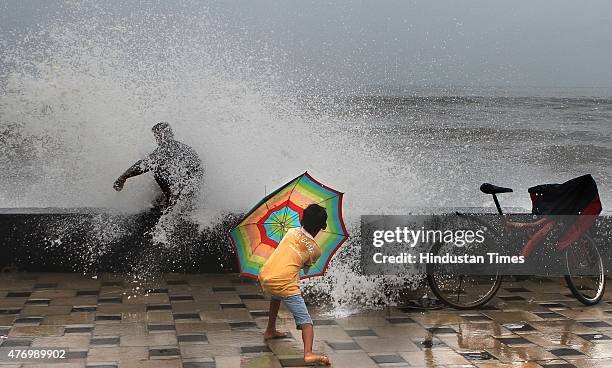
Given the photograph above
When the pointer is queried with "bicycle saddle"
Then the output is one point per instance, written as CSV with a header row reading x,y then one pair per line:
x,y
487,188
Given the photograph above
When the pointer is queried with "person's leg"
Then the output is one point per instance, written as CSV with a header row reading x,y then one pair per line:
x,y
296,305
271,331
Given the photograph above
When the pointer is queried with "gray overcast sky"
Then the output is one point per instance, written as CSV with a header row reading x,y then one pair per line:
x,y
468,42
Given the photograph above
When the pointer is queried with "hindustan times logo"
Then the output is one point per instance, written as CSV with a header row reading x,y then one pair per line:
x,y
413,237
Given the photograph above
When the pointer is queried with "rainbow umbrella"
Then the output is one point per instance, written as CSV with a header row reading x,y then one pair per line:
x,y
257,235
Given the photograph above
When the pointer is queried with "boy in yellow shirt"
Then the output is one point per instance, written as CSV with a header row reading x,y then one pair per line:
x,y
280,276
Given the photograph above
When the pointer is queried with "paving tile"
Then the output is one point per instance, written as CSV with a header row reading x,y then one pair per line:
x,y
223,289
207,351
388,358
160,327
434,358
553,305
147,299
551,326
199,327
157,291
549,315
14,342
254,349
514,341
476,318
105,341
199,365
520,354
186,316
110,300
154,339
565,352
595,324
72,342
111,317
159,307
478,355
78,330
344,345
119,329
512,316
232,305
519,327
596,351
28,321
18,294
87,292
517,290
595,337
33,331
487,307
76,355
164,352
361,333
10,311
512,298
113,283
84,309
193,338
71,319
585,314
438,319
251,296
399,320
387,344
180,298
240,325
259,313
469,342
324,322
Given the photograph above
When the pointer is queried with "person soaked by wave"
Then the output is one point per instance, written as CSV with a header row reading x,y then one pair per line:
x,y
176,167
178,171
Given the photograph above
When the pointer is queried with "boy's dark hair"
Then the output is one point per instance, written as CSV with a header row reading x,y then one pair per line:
x,y
314,219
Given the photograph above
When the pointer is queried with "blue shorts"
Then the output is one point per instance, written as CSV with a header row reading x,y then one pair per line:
x,y
297,307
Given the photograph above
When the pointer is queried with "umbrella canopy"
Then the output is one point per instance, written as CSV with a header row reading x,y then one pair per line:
x,y
257,235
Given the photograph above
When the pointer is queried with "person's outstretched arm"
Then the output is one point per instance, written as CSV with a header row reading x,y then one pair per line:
x,y
140,167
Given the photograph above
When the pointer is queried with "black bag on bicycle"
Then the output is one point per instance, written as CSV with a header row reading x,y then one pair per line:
x,y
578,196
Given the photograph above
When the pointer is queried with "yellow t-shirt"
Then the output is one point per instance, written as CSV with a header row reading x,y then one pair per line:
x,y
280,275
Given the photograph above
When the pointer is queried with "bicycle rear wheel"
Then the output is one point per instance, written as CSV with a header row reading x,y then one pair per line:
x,y
457,290
586,275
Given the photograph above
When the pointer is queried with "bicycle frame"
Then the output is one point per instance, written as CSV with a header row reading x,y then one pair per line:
x,y
546,224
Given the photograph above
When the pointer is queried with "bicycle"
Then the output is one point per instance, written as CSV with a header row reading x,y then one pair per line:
x,y
472,291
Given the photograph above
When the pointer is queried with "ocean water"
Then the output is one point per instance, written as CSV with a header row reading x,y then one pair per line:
x,y
78,99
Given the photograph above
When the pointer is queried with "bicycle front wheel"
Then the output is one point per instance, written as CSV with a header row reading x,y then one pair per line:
x,y
457,290
464,291
586,275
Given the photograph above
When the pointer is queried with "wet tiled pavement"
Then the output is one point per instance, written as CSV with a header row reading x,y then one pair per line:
x,y
212,321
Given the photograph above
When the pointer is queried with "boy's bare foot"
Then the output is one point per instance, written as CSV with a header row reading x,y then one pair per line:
x,y
269,335
311,358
